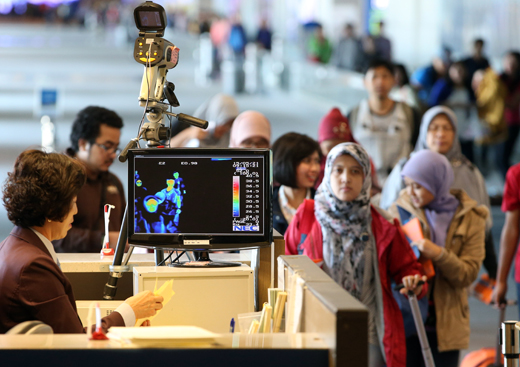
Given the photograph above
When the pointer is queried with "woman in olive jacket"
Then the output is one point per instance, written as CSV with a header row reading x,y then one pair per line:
x,y
454,232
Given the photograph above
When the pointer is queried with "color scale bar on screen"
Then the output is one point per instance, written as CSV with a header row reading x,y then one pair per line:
x,y
236,196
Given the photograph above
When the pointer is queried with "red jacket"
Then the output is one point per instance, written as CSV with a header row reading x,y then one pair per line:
x,y
396,260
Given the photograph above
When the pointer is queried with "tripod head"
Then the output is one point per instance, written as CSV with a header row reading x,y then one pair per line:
x,y
158,56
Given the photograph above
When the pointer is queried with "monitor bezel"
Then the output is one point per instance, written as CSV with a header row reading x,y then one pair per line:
x,y
216,242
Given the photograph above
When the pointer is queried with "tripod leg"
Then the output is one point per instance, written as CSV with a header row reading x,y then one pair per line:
x,y
111,286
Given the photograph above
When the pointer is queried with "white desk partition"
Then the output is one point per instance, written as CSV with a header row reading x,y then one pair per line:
x,y
207,297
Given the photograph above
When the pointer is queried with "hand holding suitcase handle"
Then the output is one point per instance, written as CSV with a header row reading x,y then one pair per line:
x,y
411,284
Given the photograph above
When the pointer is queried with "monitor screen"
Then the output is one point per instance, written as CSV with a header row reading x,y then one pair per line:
x,y
200,198
150,19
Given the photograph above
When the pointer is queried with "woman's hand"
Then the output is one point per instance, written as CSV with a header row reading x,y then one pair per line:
x,y
499,294
145,304
411,283
145,323
427,248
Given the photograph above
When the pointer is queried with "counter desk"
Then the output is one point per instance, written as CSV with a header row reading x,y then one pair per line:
x,y
260,350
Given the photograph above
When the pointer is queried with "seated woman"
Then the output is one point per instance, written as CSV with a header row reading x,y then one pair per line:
x,y
361,250
251,129
454,228
438,133
40,199
220,111
334,129
296,166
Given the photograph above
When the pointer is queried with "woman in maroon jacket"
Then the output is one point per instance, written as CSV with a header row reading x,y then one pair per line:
x,y
40,198
361,250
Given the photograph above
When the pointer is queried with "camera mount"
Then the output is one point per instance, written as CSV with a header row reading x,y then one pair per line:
x,y
158,56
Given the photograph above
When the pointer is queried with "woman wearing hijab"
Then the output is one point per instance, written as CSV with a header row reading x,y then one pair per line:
x,y
220,112
335,129
251,129
438,133
361,250
453,225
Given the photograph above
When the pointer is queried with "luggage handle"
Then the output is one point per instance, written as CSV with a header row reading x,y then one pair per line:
x,y
401,286
421,333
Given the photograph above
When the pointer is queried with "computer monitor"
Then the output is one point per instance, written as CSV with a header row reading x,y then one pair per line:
x,y
200,199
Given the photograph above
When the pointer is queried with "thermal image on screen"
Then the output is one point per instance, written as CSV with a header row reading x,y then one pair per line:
x,y
159,212
192,195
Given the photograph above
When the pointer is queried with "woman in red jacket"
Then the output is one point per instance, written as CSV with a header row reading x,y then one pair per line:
x,y
361,250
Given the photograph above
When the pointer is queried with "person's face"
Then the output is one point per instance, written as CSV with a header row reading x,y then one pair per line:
x,y
419,195
440,135
59,229
510,64
478,47
439,66
327,145
456,74
100,155
307,171
379,82
255,142
346,178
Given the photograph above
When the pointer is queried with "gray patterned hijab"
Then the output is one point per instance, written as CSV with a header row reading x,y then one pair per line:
x,y
346,225
454,155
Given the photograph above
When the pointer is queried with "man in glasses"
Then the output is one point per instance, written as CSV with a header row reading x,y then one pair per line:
x,y
95,143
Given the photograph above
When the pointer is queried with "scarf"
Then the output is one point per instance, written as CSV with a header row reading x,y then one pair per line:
x,y
346,226
433,171
249,124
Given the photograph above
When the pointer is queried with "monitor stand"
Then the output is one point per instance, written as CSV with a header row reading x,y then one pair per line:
x,y
203,261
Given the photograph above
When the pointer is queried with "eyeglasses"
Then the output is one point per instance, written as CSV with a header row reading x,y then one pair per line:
x,y
109,150
443,128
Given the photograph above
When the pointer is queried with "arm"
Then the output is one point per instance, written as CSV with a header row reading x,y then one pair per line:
x,y
508,244
293,234
402,262
43,292
460,270
484,197
182,138
441,90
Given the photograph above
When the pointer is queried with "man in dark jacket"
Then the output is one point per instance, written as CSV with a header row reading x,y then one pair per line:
x,y
95,143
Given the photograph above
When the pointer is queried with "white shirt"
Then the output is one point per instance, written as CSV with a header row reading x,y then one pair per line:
x,y
126,312
287,210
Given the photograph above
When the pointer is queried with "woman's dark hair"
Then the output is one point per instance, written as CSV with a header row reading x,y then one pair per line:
x,y
288,151
401,68
41,186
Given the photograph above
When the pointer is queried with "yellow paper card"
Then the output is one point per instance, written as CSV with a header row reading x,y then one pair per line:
x,y
166,291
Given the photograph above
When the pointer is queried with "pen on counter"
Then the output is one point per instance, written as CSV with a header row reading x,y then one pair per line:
x,y
232,325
